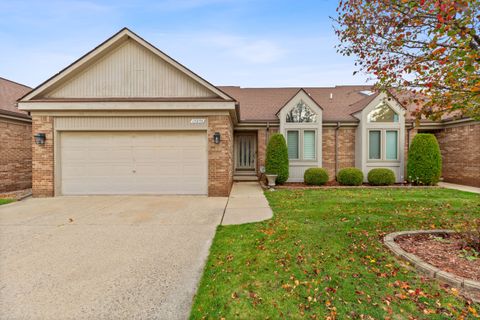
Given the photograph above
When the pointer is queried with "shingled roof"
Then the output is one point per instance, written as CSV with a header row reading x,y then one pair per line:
x,y
10,91
338,103
262,104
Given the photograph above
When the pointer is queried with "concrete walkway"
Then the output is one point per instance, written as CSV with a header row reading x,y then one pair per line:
x,y
459,187
247,203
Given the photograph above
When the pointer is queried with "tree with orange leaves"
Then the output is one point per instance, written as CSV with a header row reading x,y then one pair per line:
x,y
431,47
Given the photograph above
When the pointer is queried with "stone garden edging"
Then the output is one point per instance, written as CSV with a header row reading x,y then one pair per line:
x,y
468,285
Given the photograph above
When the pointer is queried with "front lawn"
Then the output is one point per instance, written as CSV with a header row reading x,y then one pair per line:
x,y
5,201
321,256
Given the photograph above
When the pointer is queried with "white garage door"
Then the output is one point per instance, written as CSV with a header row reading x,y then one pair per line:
x,y
133,163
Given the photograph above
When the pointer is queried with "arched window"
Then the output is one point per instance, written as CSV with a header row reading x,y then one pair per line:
x,y
301,113
382,113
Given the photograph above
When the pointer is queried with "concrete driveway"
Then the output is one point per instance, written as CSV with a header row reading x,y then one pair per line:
x,y
112,257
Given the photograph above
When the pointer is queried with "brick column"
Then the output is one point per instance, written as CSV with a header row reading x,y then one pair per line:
x,y
261,149
220,156
346,148
328,151
42,158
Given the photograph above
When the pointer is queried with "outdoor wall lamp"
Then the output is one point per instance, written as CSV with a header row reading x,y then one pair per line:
x,y
216,137
40,138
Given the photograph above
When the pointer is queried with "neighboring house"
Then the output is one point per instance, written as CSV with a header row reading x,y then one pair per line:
x,y
128,119
16,139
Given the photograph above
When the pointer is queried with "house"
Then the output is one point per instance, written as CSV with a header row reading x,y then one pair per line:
x,y
16,137
128,119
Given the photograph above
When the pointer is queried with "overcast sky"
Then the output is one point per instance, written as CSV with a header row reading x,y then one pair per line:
x,y
251,43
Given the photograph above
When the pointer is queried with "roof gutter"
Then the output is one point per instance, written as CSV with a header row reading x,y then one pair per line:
x,y
16,118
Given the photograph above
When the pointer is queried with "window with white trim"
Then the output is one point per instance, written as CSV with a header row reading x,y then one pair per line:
x,y
292,144
302,144
383,144
383,113
301,113
374,145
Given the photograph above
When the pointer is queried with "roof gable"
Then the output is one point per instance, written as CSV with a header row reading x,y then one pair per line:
x,y
377,99
301,95
125,66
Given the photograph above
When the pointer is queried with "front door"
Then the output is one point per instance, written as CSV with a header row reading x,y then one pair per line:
x,y
245,152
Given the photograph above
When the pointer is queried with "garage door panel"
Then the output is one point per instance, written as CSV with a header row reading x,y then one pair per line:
x,y
191,171
133,163
191,153
109,155
74,154
158,172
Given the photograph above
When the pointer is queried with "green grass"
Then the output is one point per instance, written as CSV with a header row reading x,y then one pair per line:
x,y
322,256
5,201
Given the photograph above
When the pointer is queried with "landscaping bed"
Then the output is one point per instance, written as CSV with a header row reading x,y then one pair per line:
x,y
16,195
335,184
443,251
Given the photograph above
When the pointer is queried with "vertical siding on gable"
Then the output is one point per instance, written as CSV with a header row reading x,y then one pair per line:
x,y
129,71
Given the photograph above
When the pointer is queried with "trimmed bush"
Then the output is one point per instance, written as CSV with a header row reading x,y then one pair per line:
x,y
315,176
350,177
276,161
424,165
381,177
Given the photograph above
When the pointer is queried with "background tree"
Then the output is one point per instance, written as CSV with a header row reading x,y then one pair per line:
x,y
429,46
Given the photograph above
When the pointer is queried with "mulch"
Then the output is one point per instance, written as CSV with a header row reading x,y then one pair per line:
x,y
17,194
442,251
334,184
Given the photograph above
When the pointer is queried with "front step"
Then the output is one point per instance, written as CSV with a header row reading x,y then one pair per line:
x,y
244,173
245,178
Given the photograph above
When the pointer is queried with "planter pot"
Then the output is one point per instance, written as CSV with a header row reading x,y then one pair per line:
x,y
271,178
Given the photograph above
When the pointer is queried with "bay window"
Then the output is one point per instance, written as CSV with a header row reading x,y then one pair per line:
x,y
380,136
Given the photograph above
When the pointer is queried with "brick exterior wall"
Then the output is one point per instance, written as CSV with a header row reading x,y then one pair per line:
x,y
346,149
460,147
220,156
328,151
42,158
261,149
409,135
16,155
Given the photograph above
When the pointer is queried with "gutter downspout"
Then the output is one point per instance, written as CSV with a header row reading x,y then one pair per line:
x,y
405,157
267,136
268,133
408,136
336,148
